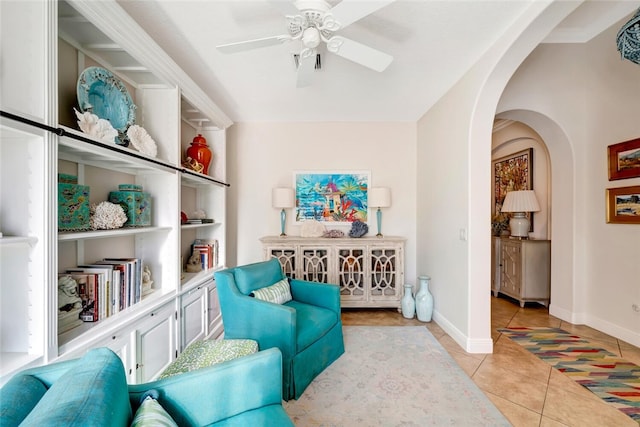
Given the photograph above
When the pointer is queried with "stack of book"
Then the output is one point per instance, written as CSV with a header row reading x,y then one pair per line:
x,y
200,221
107,287
208,250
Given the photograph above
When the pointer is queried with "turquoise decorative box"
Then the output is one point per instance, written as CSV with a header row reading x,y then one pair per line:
x,y
135,202
73,204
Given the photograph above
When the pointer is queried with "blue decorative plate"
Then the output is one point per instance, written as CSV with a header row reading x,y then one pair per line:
x,y
103,94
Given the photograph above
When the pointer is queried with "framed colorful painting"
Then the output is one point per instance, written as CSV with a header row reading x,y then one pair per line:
x,y
624,160
623,205
338,197
511,173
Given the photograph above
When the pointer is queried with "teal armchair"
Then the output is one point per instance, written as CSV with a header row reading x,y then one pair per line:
x,y
307,329
93,391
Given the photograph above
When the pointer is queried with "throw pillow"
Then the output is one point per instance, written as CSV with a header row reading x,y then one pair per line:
x,y
278,293
151,413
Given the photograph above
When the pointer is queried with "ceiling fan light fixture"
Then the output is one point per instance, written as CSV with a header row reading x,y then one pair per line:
x,y
314,22
311,37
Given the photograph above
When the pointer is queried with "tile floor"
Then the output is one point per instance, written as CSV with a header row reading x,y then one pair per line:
x,y
527,390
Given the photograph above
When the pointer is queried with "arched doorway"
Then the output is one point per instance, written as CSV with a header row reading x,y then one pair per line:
x,y
560,206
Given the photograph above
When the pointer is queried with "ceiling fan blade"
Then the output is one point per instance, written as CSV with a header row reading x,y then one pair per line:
x,y
306,66
359,53
349,11
286,7
253,44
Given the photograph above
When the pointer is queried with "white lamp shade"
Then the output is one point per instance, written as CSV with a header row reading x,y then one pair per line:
x,y
282,198
379,197
520,201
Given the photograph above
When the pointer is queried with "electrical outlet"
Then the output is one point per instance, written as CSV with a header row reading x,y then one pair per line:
x,y
463,234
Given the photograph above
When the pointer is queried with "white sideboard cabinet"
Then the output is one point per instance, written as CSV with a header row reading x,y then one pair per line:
x,y
524,269
369,270
39,139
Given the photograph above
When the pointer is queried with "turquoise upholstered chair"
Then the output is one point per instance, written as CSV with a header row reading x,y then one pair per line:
x,y
92,391
307,329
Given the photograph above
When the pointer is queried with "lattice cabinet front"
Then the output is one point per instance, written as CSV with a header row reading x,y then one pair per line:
x,y
369,270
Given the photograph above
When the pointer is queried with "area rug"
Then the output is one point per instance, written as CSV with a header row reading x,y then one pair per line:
x,y
393,376
611,378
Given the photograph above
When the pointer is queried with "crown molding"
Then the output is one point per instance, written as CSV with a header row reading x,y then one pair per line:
x,y
110,18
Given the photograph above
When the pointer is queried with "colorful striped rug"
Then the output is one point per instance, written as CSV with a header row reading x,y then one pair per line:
x,y
611,378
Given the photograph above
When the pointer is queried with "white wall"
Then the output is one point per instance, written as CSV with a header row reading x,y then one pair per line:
x,y
265,155
593,96
462,121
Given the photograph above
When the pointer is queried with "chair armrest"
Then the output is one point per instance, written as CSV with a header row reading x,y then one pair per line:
x,y
49,374
272,325
319,294
211,394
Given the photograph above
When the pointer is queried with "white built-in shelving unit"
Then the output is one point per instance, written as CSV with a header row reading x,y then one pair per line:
x,y
39,139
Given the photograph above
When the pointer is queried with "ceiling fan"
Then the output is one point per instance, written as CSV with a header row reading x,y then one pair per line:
x,y
314,22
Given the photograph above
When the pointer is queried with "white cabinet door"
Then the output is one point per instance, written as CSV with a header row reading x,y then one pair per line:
x,y
214,315
122,343
155,343
193,320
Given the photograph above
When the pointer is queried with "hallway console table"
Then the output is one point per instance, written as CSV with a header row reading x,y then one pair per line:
x,y
522,269
369,270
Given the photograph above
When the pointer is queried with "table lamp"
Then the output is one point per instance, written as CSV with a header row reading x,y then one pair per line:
x,y
518,203
282,198
379,197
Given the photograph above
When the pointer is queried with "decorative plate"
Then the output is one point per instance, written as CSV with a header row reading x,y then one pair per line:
x,y
103,94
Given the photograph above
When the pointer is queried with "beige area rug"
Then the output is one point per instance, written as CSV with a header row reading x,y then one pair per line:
x,y
393,376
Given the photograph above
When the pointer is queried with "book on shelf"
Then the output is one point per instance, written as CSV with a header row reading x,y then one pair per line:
x,y
208,250
133,268
76,301
108,286
200,221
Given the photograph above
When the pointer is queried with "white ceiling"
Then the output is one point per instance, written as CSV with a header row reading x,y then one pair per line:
x,y
433,44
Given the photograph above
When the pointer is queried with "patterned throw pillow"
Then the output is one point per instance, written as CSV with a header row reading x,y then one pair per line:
x,y
150,413
278,293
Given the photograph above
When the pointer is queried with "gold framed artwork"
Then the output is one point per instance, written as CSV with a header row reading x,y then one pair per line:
x,y
623,205
511,173
624,160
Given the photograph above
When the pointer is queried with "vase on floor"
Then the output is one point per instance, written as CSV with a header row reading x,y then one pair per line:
x,y
424,300
407,303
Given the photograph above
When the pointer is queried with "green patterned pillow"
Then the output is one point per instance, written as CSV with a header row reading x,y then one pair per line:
x,y
150,413
278,293
203,353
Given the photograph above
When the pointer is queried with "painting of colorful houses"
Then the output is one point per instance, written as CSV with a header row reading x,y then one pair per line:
x,y
331,197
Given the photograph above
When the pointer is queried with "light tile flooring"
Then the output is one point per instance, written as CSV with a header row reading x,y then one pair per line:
x,y
524,388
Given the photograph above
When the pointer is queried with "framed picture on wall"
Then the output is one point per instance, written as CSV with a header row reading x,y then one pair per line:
x,y
623,205
512,173
624,160
338,197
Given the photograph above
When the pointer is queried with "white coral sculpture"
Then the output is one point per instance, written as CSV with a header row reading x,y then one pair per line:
x,y
107,216
96,127
141,140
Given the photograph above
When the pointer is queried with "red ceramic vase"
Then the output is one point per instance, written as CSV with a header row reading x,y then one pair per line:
x,y
199,151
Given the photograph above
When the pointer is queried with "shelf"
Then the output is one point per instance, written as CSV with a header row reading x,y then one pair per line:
x,y
78,147
18,240
148,304
194,179
190,226
192,279
98,234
